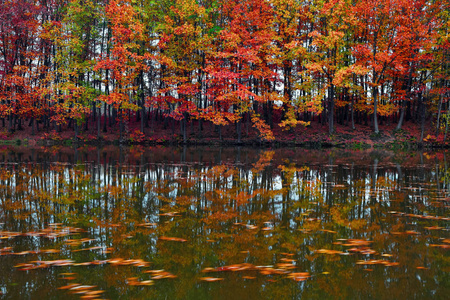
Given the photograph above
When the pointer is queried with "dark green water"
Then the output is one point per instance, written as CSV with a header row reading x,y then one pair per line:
x,y
233,223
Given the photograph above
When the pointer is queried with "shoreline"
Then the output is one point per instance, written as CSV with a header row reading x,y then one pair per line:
x,y
309,144
311,137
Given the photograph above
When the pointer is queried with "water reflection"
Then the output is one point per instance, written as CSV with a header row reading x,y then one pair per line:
x,y
223,223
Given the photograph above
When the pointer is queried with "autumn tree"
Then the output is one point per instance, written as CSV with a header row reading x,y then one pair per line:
x,y
184,38
330,59
238,67
124,63
19,60
438,63
74,38
291,25
382,32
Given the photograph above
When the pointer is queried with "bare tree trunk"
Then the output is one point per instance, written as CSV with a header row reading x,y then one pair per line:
x,y
439,114
239,130
353,112
99,125
422,116
331,110
402,116
375,112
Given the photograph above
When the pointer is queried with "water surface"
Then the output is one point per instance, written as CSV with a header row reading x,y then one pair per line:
x,y
233,223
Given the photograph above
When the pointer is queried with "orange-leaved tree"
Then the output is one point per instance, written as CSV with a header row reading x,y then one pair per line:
x,y
69,84
19,60
238,67
329,58
184,38
124,62
391,33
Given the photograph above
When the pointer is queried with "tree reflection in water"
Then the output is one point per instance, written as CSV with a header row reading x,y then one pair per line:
x,y
223,223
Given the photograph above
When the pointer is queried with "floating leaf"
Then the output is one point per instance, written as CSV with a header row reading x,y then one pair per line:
x,y
210,279
173,239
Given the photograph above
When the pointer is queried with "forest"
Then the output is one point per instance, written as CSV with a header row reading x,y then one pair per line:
x,y
271,65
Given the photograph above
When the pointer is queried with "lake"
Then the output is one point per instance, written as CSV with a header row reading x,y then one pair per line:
x,y
223,223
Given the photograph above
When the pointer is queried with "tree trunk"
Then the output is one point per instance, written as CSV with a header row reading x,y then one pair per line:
x,y
99,125
439,114
76,130
142,96
184,125
353,112
32,126
331,110
105,114
402,116
200,128
239,130
121,126
10,124
422,116
375,118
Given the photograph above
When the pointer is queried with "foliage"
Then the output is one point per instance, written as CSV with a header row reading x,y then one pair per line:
x,y
264,62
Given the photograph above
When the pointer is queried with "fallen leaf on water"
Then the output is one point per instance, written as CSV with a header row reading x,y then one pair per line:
x,y
329,231
362,250
55,224
377,262
173,239
50,251
210,279
76,242
443,246
69,278
88,249
354,242
206,270
147,224
328,251
127,262
136,282
235,267
299,276
160,274
86,296
95,292
81,289
434,228
66,287
171,214
272,271
286,266
287,260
